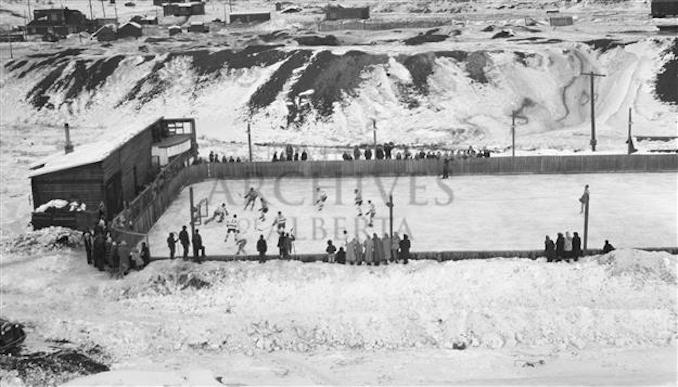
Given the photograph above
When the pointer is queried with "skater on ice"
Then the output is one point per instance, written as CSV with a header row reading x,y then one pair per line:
x,y
251,197
280,221
371,212
219,213
232,227
183,238
358,201
584,198
263,210
321,197
240,241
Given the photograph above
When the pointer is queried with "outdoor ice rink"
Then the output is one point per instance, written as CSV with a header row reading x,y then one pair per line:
x,y
462,213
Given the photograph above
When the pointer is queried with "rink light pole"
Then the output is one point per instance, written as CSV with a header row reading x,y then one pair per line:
x,y
374,133
513,133
190,195
390,221
592,76
249,139
586,223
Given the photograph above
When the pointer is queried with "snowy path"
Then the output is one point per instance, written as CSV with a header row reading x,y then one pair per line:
x,y
478,212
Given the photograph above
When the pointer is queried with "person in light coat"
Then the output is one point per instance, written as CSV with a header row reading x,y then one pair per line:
x,y
568,245
369,251
386,247
359,252
395,246
350,252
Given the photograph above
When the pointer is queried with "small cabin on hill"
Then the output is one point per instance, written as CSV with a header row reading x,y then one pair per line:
x,y
61,21
664,8
337,12
105,33
144,20
198,27
183,9
561,21
248,17
112,171
174,30
130,30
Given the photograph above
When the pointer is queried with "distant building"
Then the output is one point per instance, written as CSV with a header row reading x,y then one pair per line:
x,y
174,30
129,30
198,27
248,17
160,3
145,20
100,22
560,21
113,171
105,33
663,8
337,12
61,21
183,9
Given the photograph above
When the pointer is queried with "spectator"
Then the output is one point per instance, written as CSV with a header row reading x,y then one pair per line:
x,y
350,252
124,259
87,239
399,156
446,168
231,159
262,246
607,247
108,246
386,247
172,244
388,147
145,253
549,249
304,156
289,240
560,246
224,159
296,156
380,153
198,247
576,247
405,249
289,152
359,252
237,160
211,156
568,245
115,259
378,249
282,156
341,256
330,250
275,157
281,246
99,251
395,247
368,154
183,239
356,153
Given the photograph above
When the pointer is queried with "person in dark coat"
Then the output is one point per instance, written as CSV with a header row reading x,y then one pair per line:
x,y
108,245
289,152
446,168
115,259
560,246
289,239
172,244
183,239
368,154
341,256
275,157
304,156
405,249
576,247
145,254
356,153
607,247
281,245
296,156
380,153
549,249
198,247
99,251
261,248
87,239
330,250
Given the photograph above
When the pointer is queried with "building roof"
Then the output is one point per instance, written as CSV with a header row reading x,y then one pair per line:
x,y
133,24
89,153
107,27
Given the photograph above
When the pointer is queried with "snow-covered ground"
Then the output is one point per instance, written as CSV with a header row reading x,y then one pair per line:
x,y
463,213
606,319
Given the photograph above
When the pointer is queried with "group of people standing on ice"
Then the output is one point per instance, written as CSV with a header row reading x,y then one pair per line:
x,y
371,251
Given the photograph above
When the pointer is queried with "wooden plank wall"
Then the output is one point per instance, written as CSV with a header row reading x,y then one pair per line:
x,y
135,152
474,166
82,183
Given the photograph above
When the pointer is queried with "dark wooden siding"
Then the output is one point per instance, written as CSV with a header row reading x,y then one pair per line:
x,y
136,152
82,183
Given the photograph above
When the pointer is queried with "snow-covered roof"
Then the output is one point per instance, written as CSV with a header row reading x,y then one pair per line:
x,y
89,153
136,25
110,27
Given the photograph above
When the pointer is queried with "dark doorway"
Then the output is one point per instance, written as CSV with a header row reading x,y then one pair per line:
x,y
113,196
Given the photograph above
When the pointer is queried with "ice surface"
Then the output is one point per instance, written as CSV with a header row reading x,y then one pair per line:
x,y
462,213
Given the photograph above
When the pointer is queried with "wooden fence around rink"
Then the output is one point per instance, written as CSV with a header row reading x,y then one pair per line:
x,y
150,204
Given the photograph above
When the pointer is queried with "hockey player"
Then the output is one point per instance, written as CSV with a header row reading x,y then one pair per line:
x,y
232,227
264,209
321,197
358,201
371,212
251,197
280,221
240,241
219,213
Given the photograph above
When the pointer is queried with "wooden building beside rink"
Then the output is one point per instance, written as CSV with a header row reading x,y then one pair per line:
x,y
112,171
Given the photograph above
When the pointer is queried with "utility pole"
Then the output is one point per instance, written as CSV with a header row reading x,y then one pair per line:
x,y
29,8
390,221
9,39
592,75
103,9
115,9
249,139
190,192
586,223
513,133
629,141
91,13
230,6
